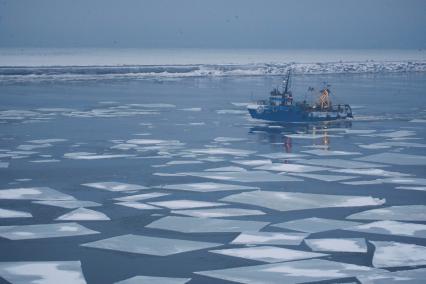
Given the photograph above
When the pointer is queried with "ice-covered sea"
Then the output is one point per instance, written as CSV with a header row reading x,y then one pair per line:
x,y
147,170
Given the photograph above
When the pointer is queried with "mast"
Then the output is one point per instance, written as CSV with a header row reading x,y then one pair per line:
x,y
287,82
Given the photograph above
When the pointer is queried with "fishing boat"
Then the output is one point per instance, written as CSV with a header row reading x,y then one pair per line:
x,y
280,107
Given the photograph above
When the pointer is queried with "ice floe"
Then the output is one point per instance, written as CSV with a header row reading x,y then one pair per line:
x,y
206,225
143,196
93,156
39,231
42,272
315,225
252,163
149,245
340,163
226,169
337,245
412,276
293,168
47,141
153,280
83,214
371,172
398,213
280,155
223,151
218,212
34,193
287,201
269,254
323,152
137,205
396,159
269,238
229,139
207,187
420,188
245,176
185,204
7,213
115,186
393,254
387,227
323,177
300,271
70,204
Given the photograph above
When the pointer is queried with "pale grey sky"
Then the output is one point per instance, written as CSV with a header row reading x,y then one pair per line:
x,y
214,24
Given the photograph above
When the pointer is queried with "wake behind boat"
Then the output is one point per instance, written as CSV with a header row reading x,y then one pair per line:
x,y
281,108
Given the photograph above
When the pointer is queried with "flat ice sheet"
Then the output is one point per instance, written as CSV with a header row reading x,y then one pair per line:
x,y
396,159
269,254
115,186
149,245
280,155
143,196
341,163
252,163
83,214
70,204
7,213
292,168
137,205
392,228
412,276
34,193
223,151
40,231
371,172
315,225
42,272
287,201
208,187
327,177
185,204
393,254
269,238
292,272
153,280
218,212
323,152
205,225
247,176
337,245
398,213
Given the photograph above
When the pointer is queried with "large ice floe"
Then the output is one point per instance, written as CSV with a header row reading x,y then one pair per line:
x,y
93,156
153,280
315,225
137,205
205,225
412,276
269,238
387,227
337,245
114,186
269,254
149,245
393,254
291,272
245,176
185,204
39,231
223,151
218,212
292,168
42,272
7,213
341,163
34,193
287,201
143,196
398,213
207,187
69,204
83,214
396,159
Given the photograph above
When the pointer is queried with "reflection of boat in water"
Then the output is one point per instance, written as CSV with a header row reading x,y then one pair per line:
x,y
281,108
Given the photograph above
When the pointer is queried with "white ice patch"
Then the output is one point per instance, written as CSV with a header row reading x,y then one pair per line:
x,y
207,187
229,139
7,213
226,169
69,204
323,152
115,186
371,172
143,196
340,163
32,147
420,188
153,280
321,177
137,205
185,204
392,228
4,165
42,272
47,141
292,168
337,245
83,214
315,225
280,155
412,276
205,225
24,232
252,163
393,254
183,162
287,201
148,245
398,213
192,109
268,253
269,238
223,151
246,176
293,272
34,193
396,159
93,156
218,212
